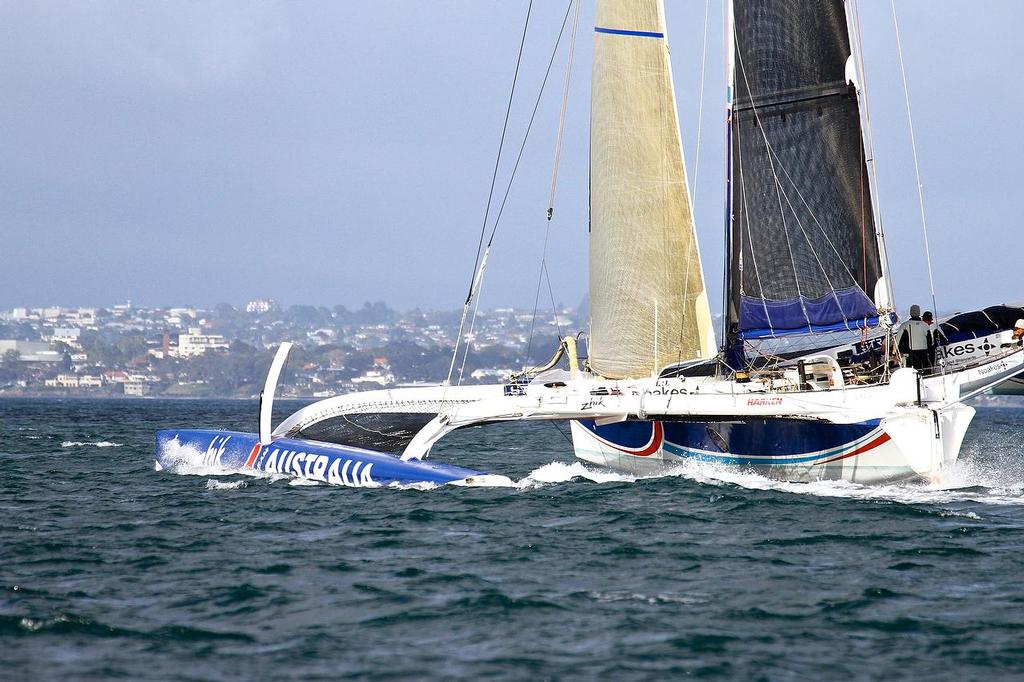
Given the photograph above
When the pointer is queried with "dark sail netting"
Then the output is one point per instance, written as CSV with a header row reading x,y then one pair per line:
x,y
803,252
977,323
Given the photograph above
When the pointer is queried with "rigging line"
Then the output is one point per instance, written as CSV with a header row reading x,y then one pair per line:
x,y
560,432
700,104
696,178
810,212
554,172
476,309
863,218
529,127
554,308
497,220
778,187
490,194
561,114
536,296
917,167
814,253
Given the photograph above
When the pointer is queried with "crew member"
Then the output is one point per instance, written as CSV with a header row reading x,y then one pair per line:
x,y
929,320
915,341
1018,332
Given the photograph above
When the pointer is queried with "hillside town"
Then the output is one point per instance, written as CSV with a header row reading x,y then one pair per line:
x,y
134,351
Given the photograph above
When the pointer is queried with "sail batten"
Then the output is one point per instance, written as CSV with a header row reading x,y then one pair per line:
x,y
647,296
803,248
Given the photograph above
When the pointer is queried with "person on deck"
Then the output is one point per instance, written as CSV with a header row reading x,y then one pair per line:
x,y
915,340
929,320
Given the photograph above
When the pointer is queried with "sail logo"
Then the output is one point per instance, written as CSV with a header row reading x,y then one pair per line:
x,y
966,351
668,391
764,402
333,470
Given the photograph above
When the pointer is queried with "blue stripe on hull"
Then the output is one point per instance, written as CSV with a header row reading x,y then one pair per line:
x,y
312,460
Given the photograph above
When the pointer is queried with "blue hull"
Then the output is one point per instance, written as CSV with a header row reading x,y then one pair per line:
x,y
306,459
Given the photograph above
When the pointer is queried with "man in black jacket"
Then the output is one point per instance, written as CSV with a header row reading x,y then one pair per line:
x,y
915,340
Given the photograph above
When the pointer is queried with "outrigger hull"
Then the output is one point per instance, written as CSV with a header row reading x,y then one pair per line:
x,y
304,459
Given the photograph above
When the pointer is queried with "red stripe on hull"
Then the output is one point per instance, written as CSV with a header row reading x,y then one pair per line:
x,y
657,438
882,439
252,455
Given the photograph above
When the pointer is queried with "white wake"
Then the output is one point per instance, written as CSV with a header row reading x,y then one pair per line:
x,y
966,481
82,444
189,460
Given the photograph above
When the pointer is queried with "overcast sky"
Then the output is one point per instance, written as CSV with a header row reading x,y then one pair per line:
x,y
337,152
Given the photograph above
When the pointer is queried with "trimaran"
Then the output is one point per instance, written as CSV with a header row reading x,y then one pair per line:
x,y
805,265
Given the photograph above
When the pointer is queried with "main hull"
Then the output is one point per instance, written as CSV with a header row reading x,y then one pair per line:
x,y
870,452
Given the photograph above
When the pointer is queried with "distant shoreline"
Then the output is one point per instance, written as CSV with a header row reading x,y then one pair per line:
x,y
133,398
993,401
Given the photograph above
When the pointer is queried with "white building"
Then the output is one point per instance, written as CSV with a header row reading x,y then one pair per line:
x,y
375,376
136,388
196,343
261,305
68,335
62,381
85,317
30,351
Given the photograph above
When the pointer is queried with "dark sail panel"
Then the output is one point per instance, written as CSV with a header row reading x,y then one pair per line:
x,y
803,251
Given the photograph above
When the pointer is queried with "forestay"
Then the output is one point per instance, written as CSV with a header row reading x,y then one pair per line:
x,y
648,302
803,251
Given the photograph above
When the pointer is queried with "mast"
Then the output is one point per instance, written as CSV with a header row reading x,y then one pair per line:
x,y
884,298
731,353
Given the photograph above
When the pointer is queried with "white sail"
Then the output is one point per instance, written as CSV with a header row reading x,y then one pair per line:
x,y
648,302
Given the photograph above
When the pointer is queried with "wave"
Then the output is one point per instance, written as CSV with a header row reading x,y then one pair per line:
x,y
562,472
964,482
98,444
224,485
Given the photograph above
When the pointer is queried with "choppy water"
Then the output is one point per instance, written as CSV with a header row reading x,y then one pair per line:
x,y
110,569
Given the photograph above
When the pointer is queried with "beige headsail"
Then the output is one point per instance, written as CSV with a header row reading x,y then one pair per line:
x,y
648,303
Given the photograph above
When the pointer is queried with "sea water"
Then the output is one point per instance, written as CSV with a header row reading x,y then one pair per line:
x,y
110,569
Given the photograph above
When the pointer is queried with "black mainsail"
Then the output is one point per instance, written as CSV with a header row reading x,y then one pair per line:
x,y
803,255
